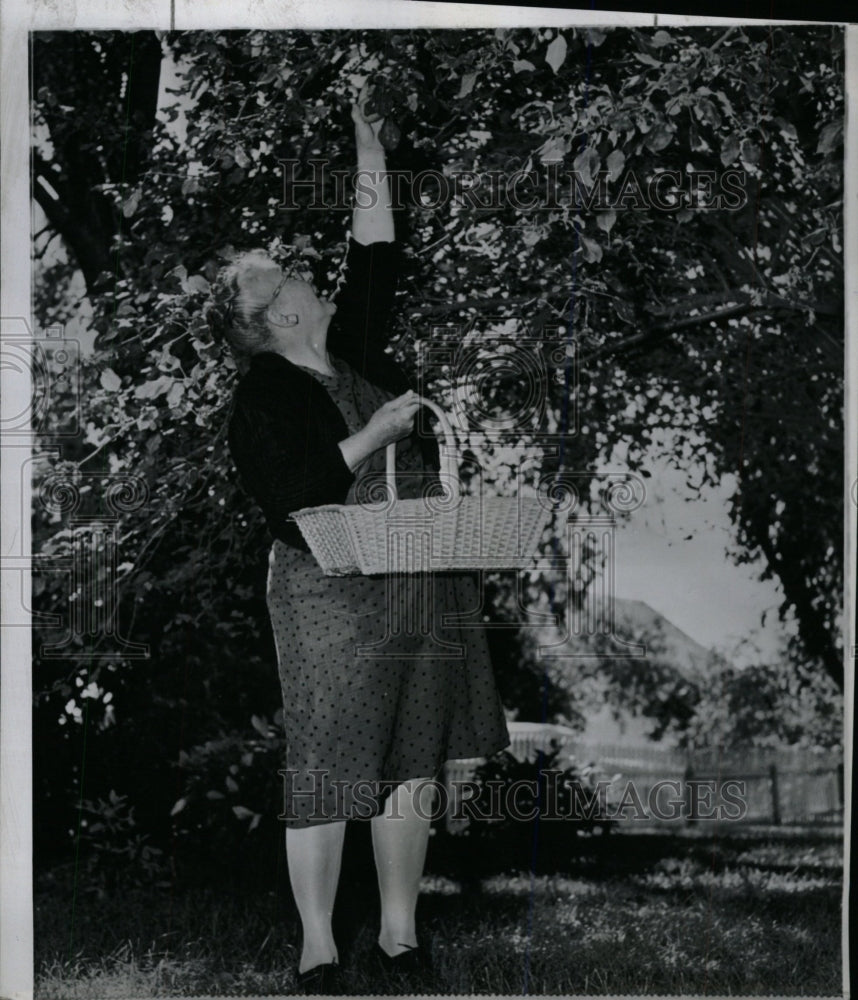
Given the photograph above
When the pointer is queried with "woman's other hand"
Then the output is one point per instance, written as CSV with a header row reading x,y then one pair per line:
x,y
394,420
390,422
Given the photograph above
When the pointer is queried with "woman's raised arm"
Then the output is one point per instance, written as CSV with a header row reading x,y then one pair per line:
x,y
372,219
365,295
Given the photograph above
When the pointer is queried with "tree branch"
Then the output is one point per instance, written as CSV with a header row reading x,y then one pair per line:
x,y
661,331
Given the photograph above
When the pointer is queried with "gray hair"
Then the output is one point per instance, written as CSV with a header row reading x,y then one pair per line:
x,y
237,314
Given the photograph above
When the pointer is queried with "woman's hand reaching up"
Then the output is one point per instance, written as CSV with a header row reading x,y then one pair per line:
x,y
366,126
372,219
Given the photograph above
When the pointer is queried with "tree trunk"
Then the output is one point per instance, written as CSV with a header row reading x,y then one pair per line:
x,y
84,217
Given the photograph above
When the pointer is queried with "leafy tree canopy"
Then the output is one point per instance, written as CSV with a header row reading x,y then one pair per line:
x,y
709,330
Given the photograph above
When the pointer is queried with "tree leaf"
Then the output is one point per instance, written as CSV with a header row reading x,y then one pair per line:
x,y
647,59
658,138
110,380
592,250
522,65
615,162
467,84
829,137
625,310
178,807
729,150
787,128
174,396
196,283
606,220
707,112
724,101
242,812
132,204
586,164
153,387
750,151
660,39
553,150
556,52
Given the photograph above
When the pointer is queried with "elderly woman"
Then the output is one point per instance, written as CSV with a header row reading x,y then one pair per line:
x,y
365,728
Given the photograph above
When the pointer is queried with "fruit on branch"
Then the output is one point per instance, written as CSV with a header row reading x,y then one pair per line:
x,y
389,134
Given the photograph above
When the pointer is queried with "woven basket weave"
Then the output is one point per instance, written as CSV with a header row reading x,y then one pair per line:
x,y
431,534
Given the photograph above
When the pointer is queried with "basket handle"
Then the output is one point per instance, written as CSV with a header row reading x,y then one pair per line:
x,y
448,453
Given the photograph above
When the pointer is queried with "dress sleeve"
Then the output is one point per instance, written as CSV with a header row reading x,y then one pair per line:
x,y
286,464
364,297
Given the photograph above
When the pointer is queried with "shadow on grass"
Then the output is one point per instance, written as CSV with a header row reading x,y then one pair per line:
x,y
630,913
549,850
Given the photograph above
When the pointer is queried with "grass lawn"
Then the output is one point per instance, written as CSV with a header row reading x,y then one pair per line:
x,y
720,913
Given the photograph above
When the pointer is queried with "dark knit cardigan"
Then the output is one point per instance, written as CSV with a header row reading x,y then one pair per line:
x,y
284,428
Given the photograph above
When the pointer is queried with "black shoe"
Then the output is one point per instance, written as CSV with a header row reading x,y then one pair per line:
x,y
321,981
413,963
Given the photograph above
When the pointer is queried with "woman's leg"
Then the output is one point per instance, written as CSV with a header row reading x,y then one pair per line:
x,y
399,839
314,855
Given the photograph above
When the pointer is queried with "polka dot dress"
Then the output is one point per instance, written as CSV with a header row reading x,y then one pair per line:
x,y
379,683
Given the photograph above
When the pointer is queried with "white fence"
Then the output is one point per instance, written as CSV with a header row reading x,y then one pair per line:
x,y
784,786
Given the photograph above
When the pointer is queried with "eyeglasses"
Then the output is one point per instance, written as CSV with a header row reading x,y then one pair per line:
x,y
290,319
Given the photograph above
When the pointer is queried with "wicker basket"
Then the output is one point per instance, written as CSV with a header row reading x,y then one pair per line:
x,y
430,534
